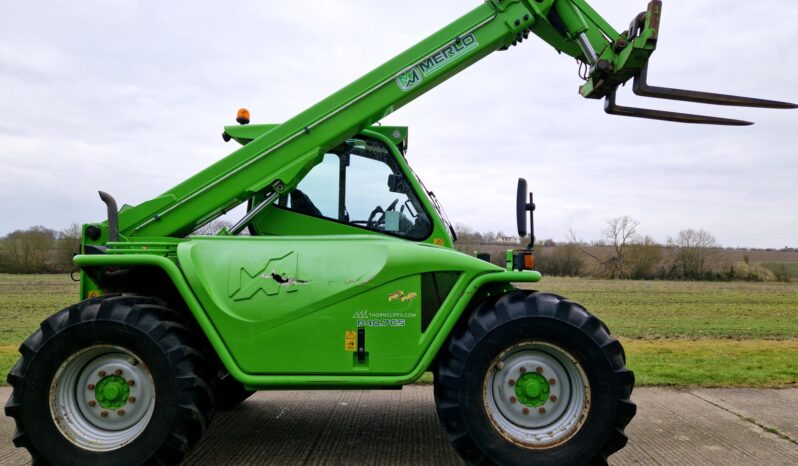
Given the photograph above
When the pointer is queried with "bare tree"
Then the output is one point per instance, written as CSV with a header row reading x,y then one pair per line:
x,y
27,251
620,234
693,250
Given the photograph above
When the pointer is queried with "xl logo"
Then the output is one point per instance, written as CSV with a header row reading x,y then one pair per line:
x,y
409,79
279,273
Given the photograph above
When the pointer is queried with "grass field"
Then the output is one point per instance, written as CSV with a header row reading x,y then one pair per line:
x,y
675,333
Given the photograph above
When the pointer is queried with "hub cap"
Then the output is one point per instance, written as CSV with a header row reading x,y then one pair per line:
x,y
536,395
532,390
112,392
102,398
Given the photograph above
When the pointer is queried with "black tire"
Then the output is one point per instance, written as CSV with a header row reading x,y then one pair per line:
x,y
516,318
230,392
162,341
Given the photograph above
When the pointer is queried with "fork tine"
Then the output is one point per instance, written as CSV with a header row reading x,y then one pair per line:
x,y
613,109
642,88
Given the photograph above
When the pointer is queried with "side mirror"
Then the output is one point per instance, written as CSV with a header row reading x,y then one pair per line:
x,y
521,208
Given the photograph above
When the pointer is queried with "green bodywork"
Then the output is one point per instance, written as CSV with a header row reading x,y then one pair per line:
x,y
289,306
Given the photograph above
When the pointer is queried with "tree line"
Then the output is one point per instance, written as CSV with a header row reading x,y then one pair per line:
x,y
39,249
624,253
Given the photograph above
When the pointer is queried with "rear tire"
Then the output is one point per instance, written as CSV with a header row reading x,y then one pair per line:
x,y
114,380
533,378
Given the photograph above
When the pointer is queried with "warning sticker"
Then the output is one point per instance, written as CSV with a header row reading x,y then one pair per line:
x,y
350,341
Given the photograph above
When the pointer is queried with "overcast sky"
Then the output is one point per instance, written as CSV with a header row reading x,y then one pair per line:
x,y
130,97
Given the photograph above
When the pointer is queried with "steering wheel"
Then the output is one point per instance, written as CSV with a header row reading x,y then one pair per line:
x,y
378,210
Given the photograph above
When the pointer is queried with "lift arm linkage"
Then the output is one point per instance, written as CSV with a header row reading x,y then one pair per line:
x,y
281,157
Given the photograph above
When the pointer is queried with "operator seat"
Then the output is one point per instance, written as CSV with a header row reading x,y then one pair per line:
x,y
300,202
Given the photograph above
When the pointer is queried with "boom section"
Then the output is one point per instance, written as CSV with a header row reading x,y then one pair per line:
x,y
279,159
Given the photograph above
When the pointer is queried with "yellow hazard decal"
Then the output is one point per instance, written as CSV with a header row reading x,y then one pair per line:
x,y
438,241
94,293
350,341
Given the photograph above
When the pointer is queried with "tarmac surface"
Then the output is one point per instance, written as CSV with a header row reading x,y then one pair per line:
x,y
694,427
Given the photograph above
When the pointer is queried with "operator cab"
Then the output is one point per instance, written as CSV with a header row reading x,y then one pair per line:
x,y
362,185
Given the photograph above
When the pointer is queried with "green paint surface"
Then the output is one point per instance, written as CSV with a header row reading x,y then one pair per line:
x,y
532,389
112,392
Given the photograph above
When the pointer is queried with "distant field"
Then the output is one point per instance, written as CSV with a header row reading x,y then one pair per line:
x,y
675,333
789,269
666,310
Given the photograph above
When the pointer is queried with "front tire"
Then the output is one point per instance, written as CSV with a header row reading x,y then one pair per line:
x,y
534,379
115,380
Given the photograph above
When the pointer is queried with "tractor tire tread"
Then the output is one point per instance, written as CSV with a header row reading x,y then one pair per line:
x,y
174,337
490,314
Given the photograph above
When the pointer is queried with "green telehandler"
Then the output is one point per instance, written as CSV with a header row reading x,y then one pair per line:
x,y
341,275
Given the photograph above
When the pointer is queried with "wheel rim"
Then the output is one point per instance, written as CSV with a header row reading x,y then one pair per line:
x,y
536,395
102,398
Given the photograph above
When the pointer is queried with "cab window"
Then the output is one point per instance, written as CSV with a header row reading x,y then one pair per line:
x,y
360,183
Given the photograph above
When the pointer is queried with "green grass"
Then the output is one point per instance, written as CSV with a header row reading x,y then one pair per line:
x,y
675,333
25,300
714,363
659,309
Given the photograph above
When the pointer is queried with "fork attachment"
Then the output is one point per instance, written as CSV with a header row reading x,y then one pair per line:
x,y
642,88
613,109
634,49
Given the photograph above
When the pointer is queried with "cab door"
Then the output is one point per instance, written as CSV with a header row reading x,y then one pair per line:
x,y
343,299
